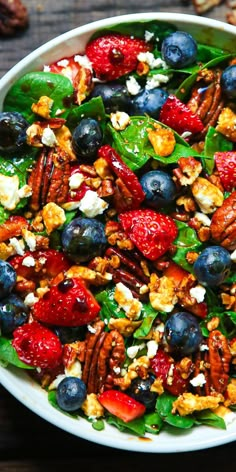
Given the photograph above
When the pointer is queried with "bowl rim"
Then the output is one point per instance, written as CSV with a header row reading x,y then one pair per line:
x,y
13,379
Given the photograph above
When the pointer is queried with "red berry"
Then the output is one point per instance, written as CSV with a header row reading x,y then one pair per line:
x,y
114,55
179,117
69,303
121,405
166,369
226,166
48,263
37,346
151,232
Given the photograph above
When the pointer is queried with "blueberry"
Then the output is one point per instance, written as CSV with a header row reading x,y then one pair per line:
x,y
228,81
7,278
148,102
140,391
87,138
12,131
68,335
182,333
212,266
83,239
115,96
179,49
71,393
159,188
13,313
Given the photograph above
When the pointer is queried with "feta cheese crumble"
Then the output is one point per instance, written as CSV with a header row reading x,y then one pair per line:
x,y
48,137
133,86
198,381
92,205
198,293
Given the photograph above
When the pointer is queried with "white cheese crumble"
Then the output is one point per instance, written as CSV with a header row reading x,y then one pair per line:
x,y
10,194
48,137
229,418
233,256
152,61
30,299
132,351
152,347
148,35
198,381
18,246
28,261
204,347
91,329
75,370
63,63
29,238
133,86
46,68
198,293
202,218
124,297
156,80
83,61
75,180
92,205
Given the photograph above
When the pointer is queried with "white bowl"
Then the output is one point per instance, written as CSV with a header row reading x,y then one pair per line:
x,y
18,382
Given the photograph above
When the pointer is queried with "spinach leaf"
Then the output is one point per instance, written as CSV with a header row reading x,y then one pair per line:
x,y
159,29
4,215
29,88
94,108
98,424
149,316
214,142
153,423
136,426
164,407
109,307
53,401
186,241
209,418
8,355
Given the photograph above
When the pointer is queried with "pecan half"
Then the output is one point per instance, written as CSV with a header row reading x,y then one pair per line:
x,y
223,223
13,17
219,358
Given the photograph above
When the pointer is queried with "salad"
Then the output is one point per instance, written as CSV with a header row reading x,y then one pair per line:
x,y
118,230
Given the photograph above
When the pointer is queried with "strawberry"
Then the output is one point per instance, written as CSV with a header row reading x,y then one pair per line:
x,y
226,166
37,346
68,67
164,368
179,117
69,303
121,405
151,232
47,263
114,55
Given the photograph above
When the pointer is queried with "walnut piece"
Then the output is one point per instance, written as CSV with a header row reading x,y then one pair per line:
x,y
187,403
13,17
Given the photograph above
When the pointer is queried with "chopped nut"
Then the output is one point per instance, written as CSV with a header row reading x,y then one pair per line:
x,y
207,195
102,169
162,293
91,406
120,120
213,323
43,106
227,124
125,326
162,140
187,403
53,216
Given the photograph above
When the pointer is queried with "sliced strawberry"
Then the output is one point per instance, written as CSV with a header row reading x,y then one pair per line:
x,y
179,117
114,55
69,303
121,405
47,263
67,67
151,232
123,172
167,370
37,346
226,166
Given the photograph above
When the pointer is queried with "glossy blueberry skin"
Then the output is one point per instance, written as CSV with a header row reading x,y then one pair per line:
x,y
212,266
7,278
83,239
182,333
87,138
71,393
159,188
12,131
13,313
69,335
179,49
228,81
140,391
115,96
148,102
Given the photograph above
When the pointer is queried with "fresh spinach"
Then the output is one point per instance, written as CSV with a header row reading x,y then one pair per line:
x,y
8,354
136,426
164,405
186,241
94,108
214,142
159,29
29,88
4,215
109,307
209,418
153,422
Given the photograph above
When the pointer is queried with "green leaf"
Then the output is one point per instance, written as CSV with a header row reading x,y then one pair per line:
x,y
4,215
214,142
135,427
186,241
164,407
8,354
109,307
29,88
149,315
94,108
137,29
153,423
52,398
207,417
98,425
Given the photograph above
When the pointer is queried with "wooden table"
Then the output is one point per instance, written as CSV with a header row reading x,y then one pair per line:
x,y
28,443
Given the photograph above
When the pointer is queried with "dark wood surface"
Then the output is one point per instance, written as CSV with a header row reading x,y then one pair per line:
x,y
27,442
